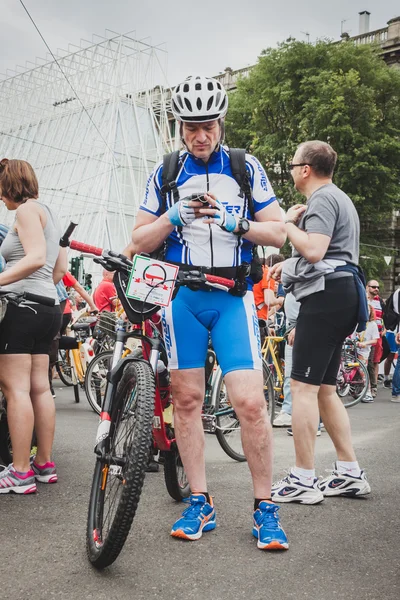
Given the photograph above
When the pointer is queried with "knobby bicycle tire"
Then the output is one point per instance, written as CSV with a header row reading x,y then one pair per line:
x,y
95,379
63,367
174,475
133,410
222,432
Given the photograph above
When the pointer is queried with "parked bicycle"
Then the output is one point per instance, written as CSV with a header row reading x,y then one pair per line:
x,y
353,378
75,353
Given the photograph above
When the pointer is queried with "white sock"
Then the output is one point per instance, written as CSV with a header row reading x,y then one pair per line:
x,y
306,476
348,468
386,377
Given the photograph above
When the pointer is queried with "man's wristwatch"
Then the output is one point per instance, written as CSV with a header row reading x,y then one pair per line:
x,y
243,227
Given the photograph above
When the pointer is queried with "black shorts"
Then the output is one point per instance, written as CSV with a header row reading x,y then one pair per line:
x,y
325,320
29,329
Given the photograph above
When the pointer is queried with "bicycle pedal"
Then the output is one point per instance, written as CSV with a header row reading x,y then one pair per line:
x,y
209,423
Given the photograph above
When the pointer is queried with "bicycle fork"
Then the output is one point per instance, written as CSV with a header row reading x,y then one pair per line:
x,y
118,365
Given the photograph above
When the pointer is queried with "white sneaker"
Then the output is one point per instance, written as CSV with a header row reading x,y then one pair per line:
x,y
341,484
290,489
283,420
392,399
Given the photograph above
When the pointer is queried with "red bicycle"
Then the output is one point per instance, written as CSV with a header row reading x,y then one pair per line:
x,y
137,412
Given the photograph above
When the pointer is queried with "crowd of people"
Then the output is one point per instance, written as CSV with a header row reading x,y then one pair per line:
x,y
320,289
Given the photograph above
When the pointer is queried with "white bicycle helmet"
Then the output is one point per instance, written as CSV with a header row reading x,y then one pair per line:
x,y
199,99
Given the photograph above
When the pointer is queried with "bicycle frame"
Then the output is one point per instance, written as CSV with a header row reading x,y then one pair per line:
x,y
151,353
270,348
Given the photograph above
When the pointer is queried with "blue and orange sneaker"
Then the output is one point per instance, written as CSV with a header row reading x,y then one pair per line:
x,y
267,528
198,517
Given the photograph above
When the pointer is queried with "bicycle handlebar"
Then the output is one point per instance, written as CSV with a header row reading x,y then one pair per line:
x,y
20,297
229,283
86,248
114,259
64,241
39,299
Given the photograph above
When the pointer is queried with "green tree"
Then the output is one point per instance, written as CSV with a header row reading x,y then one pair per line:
x,y
337,92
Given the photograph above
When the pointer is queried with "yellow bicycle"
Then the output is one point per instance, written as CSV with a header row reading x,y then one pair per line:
x,y
272,352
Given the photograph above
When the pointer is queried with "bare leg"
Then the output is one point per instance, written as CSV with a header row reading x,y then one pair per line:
x,y
188,388
305,419
336,421
43,406
245,391
15,373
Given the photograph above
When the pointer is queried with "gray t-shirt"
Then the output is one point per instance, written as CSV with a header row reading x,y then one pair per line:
x,y
292,308
41,281
331,212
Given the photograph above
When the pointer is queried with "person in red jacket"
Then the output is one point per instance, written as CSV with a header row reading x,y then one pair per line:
x,y
105,295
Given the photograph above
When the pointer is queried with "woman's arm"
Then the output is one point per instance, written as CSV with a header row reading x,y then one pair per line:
x,y
61,266
30,232
81,290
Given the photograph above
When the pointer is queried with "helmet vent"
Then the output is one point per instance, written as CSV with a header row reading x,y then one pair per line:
x,y
219,86
179,99
218,98
199,103
210,86
197,87
210,102
223,103
186,87
189,106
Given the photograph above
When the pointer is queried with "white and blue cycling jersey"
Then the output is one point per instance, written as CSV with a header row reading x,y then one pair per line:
x,y
201,244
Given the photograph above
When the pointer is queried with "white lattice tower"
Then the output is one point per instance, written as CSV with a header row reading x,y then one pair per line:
x,y
94,139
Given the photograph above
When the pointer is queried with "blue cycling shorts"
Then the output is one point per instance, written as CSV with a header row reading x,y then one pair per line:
x,y
391,338
231,321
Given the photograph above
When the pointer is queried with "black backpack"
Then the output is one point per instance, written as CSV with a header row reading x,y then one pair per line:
x,y
237,157
391,318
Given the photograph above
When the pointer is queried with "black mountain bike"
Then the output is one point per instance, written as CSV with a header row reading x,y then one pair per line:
x,y
136,413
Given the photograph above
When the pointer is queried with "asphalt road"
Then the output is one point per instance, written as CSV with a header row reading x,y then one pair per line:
x,y
341,548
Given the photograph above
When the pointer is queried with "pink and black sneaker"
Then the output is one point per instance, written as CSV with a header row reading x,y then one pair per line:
x,y
45,473
16,482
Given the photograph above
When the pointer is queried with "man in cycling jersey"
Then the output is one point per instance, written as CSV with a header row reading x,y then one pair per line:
x,y
217,237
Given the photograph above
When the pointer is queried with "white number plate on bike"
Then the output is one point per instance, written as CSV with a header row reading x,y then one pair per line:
x,y
152,280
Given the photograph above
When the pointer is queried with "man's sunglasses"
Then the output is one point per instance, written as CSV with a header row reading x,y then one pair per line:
x,y
374,287
291,166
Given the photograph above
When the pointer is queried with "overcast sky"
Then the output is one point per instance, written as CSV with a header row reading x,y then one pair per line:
x,y
202,36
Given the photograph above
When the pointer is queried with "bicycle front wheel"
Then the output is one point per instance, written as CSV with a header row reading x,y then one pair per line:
x,y
228,429
119,475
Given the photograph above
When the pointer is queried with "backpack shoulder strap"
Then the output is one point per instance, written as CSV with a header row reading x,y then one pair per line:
x,y
237,158
169,174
